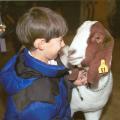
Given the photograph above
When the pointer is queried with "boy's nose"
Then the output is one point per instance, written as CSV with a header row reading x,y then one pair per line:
x,y
63,44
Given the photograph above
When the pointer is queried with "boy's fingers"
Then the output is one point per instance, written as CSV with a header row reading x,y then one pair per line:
x,y
80,82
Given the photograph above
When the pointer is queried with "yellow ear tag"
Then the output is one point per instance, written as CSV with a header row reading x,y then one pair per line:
x,y
103,68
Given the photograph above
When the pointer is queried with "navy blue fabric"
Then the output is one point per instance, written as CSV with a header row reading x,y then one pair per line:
x,y
59,110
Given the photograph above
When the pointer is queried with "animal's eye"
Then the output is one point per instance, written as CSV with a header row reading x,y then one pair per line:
x,y
97,38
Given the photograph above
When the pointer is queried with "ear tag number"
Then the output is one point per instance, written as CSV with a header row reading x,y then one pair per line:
x,y
103,68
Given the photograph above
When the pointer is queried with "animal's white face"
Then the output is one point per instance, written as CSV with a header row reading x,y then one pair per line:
x,y
78,46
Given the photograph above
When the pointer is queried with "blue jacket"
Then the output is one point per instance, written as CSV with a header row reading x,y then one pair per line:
x,y
29,96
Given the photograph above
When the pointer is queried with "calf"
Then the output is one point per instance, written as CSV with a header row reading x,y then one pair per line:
x,y
91,50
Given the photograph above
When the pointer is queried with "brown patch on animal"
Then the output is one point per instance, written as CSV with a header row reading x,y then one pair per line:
x,y
100,46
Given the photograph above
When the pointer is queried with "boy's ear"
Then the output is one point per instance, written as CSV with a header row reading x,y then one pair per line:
x,y
39,43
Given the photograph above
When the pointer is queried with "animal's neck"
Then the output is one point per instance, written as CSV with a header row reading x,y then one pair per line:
x,y
102,83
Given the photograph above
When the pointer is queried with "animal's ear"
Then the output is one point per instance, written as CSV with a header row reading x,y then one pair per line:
x,y
104,53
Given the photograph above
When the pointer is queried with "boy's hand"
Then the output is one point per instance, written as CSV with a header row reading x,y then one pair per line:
x,y
81,79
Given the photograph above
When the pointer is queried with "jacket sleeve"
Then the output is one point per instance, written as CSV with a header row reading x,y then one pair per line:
x,y
67,115
11,84
9,80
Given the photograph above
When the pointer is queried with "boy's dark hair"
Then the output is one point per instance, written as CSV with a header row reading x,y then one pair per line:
x,y
40,22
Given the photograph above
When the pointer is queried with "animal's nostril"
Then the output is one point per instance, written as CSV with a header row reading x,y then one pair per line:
x,y
71,52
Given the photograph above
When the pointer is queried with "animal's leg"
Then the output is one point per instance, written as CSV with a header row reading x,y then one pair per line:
x,y
93,115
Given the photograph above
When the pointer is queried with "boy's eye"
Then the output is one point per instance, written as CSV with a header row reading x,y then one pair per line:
x,y
61,40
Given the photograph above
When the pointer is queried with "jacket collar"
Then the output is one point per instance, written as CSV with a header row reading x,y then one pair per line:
x,y
45,69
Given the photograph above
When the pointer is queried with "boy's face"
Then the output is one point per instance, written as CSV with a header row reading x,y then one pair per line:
x,y
53,47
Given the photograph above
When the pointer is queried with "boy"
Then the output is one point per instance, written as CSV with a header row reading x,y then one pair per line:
x,y
36,89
